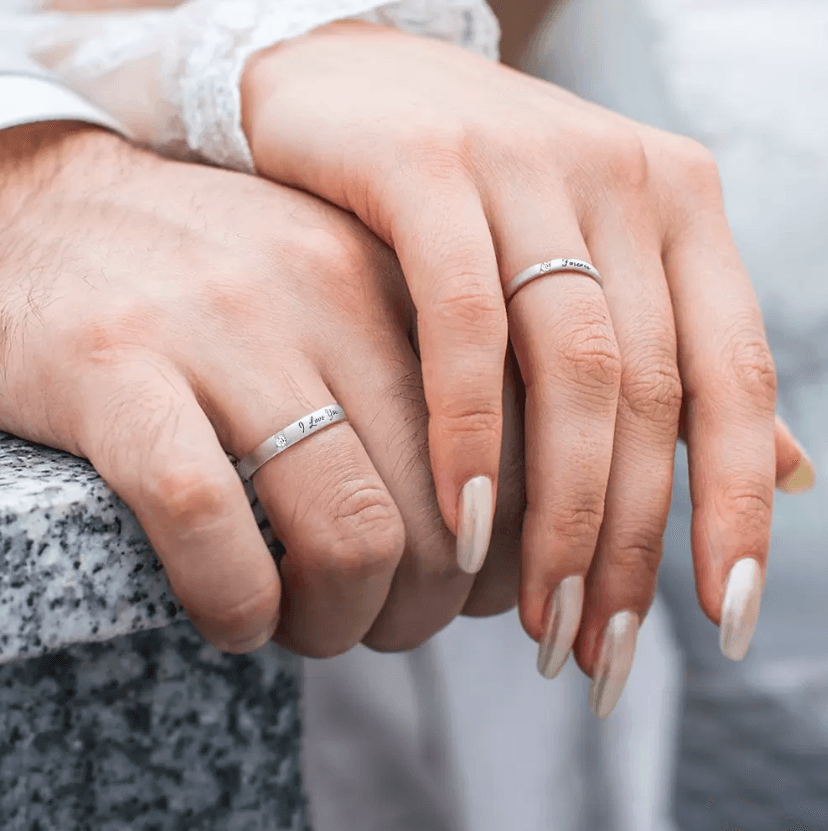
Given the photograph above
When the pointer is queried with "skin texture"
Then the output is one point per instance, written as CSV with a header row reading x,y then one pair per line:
x,y
158,315
471,172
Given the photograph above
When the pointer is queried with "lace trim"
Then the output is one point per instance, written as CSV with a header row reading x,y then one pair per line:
x,y
210,70
170,75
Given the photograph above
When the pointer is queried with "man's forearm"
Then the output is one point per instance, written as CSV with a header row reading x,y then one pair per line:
x,y
33,155
519,20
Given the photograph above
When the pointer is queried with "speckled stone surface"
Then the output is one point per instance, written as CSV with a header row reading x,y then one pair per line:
x,y
75,565
105,725
156,731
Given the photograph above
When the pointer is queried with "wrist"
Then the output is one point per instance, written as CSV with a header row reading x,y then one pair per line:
x,y
286,59
33,156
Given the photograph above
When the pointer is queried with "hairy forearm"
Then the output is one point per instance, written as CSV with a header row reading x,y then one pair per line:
x,y
32,155
519,20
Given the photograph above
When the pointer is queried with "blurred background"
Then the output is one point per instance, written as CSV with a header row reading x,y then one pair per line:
x,y
748,78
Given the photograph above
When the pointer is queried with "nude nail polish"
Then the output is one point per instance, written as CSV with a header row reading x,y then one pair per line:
x,y
614,663
562,624
740,608
474,523
802,479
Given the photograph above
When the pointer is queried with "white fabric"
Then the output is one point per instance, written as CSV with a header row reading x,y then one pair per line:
x,y
463,734
171,75
25,99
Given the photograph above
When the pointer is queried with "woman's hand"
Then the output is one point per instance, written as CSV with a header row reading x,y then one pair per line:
x,y
473,172
157,316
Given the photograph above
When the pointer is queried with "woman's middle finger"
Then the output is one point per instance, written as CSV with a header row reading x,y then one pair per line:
x,y
390,415
564,342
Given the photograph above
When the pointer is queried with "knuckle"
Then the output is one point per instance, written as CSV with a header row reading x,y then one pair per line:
x,y
369,535
694,167
591,354
654,393
752,366
102,342
479,423
578,522
436,147
627,164
234,306
475,311
636,558
343,252
750,500
190,500
344,260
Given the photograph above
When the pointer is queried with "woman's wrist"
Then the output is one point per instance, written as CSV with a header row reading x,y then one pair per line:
x,y
263,68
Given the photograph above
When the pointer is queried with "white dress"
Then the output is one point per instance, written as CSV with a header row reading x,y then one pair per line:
x,y
461,734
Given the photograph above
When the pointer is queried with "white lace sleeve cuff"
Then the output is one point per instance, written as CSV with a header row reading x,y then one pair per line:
x,y
210,79
172,76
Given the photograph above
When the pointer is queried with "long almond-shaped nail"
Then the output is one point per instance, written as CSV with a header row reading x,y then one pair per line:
x,y
740,608
614,662
562,623
474,523
802,479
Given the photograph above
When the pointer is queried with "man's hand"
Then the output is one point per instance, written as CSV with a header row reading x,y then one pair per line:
x,y
159,315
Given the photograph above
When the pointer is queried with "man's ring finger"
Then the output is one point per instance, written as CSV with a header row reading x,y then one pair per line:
x,y
290,435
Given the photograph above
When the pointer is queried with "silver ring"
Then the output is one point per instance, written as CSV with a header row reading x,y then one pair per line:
x,y
293,433
549,267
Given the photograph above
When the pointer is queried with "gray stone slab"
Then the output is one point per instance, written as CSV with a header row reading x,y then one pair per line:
x,y
155,731
75,565
111,719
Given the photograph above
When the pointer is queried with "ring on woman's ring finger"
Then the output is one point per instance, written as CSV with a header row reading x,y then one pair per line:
x,y
549,267
290,435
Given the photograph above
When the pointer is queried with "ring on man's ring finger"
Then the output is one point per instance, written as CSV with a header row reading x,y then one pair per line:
x,y
290,435
549,267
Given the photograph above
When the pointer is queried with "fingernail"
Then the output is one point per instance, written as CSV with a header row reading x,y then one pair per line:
x,y
802,479
245,645
474,524
740,609
561,626
614,663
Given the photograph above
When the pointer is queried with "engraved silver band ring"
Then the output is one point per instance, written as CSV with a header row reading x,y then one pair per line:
x,y
290,435
549,267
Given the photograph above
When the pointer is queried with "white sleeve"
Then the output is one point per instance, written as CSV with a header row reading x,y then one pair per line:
x,y
28,95
171,75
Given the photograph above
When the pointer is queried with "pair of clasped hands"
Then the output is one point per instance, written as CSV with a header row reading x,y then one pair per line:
x,y
159,316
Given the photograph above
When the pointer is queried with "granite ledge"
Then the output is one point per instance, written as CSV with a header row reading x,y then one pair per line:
x,y
75,566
